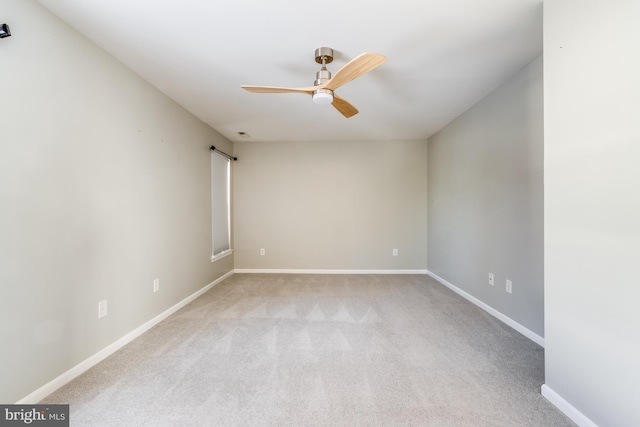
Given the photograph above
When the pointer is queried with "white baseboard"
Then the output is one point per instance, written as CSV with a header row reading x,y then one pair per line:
x,y
568,409
87,364
295,271
509,321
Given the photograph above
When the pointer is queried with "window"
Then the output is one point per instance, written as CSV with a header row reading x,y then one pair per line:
x,y
220,206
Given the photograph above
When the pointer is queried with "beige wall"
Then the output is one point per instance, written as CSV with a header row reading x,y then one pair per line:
x,y
592,208
486,199
331,205
104,186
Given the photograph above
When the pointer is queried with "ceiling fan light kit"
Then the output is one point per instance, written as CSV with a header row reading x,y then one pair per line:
x,y
322,92
322,96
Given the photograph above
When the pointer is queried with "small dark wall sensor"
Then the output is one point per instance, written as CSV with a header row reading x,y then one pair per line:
x,y
4,31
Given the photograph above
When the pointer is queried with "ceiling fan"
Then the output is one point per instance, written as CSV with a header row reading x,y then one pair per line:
x,y
323,89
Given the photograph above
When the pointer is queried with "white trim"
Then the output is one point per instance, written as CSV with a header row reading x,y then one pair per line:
x,y
509,321
302,271
567,408
87,364
221,255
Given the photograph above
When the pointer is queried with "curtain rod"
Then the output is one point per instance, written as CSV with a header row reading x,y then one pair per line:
x,y
223,153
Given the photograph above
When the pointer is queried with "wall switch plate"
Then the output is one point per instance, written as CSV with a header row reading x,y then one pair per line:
x,y
491,279
395,252
102,308
262,251
509,288
156,285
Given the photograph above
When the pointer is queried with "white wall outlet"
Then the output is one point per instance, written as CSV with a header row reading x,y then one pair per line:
x,y
262,251
491,279
395,252
102,308
156,285
509,289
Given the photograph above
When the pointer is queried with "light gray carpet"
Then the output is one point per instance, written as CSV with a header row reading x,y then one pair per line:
x,y
320,350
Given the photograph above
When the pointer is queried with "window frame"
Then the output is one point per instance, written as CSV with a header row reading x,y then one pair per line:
x,y
215,206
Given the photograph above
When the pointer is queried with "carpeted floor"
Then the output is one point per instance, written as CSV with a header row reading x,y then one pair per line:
x,y
320,350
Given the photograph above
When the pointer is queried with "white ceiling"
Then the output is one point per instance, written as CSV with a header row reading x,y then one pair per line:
x,y
443,56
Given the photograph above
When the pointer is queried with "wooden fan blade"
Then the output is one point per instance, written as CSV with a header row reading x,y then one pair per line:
x,y
274,89
344,107
358,66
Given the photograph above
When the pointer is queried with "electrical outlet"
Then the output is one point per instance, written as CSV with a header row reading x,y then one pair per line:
x,y
102,308
395,252
491,280
262,251
156,285
509,288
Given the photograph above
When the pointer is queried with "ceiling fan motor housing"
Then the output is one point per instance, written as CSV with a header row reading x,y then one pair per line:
x,y
322,76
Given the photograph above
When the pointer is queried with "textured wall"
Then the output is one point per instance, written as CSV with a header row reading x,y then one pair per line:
x,y
104,186
486,199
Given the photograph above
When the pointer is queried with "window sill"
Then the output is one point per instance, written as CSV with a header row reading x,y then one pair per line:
x,y
221,255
